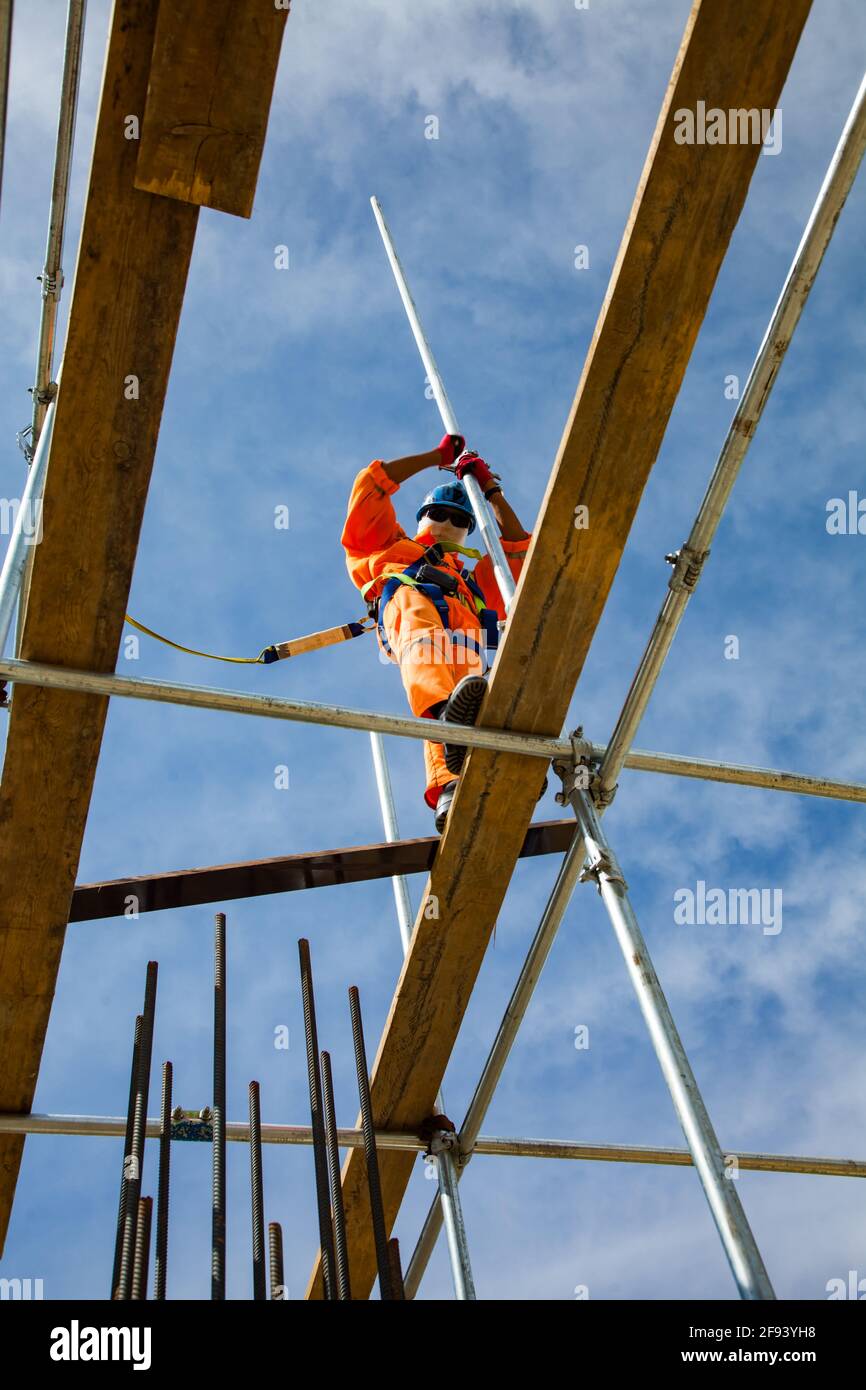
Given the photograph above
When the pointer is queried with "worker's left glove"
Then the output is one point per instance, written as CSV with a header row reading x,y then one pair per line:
x,y
471,463
450,447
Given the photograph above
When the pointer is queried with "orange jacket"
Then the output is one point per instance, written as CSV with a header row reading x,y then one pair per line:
x,y
376,545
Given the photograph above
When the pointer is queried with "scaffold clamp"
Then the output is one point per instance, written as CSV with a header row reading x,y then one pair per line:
x,y
687,564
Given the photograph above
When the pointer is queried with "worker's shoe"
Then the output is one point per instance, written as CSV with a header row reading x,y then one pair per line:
x,y
443,805
446,796
463,705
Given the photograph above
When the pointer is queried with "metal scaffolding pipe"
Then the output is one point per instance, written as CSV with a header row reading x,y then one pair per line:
x,y
280,707
406,726
52,278
6,10
402,901
238,1132
26,530
786,315
734,1231
452,1216
483,512
52,271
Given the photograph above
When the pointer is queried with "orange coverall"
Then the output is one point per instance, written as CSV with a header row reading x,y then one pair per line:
x,y
431,660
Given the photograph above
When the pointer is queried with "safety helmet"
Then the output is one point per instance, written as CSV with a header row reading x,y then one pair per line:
x,y
448,495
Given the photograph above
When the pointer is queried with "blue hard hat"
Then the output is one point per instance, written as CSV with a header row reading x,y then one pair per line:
x,y
448,495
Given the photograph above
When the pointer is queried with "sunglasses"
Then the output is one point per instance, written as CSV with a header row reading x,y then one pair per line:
x,y
459,519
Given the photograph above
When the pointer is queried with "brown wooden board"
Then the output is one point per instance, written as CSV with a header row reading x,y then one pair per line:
x,y
208,99
285,874
129,285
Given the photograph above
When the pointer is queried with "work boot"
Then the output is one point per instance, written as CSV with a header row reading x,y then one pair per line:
x,y
463,705
443,805
446,796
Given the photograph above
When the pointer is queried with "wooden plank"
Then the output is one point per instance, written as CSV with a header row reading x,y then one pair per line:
x,y
211,82
687,204
284,874
126,301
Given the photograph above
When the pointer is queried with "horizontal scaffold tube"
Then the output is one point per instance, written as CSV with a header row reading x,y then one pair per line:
x,y
111,1127
407,726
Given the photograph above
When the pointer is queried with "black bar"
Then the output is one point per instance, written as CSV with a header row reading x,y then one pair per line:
x,y
161,1253
380,1235
257,1193
141,1259
320,1161
341,1253
136,1155
127,1149
275,1250
396,1268
218,1200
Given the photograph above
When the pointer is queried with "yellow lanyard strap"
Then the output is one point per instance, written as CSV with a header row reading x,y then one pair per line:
x,y
275,652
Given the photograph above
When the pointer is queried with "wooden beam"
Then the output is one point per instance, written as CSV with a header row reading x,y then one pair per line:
x,y
285,874
211,82
687,204
129,285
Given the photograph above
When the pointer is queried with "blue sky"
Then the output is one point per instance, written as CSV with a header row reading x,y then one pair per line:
x,y
284,384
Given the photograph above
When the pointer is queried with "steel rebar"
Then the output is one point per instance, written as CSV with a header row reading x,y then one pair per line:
x,y
380,1234
218,1198
136,1153
341,1253
162,1196
257,1199
127,1150
275,1260
141,1259
320,1159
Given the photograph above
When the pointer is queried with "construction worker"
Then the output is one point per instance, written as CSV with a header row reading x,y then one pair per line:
x,y
435,618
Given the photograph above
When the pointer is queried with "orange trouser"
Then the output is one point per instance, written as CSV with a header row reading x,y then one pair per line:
x,y
432,660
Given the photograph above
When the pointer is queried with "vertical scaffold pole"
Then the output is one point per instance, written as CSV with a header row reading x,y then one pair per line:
x,y
483,514
452,1213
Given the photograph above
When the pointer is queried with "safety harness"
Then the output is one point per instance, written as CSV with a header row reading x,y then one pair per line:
x,y
434,584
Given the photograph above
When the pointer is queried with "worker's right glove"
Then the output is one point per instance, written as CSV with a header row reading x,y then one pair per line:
x,y
471,463
450,447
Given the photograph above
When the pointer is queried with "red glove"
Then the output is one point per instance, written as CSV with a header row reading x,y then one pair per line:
x,y
471,463
450,447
